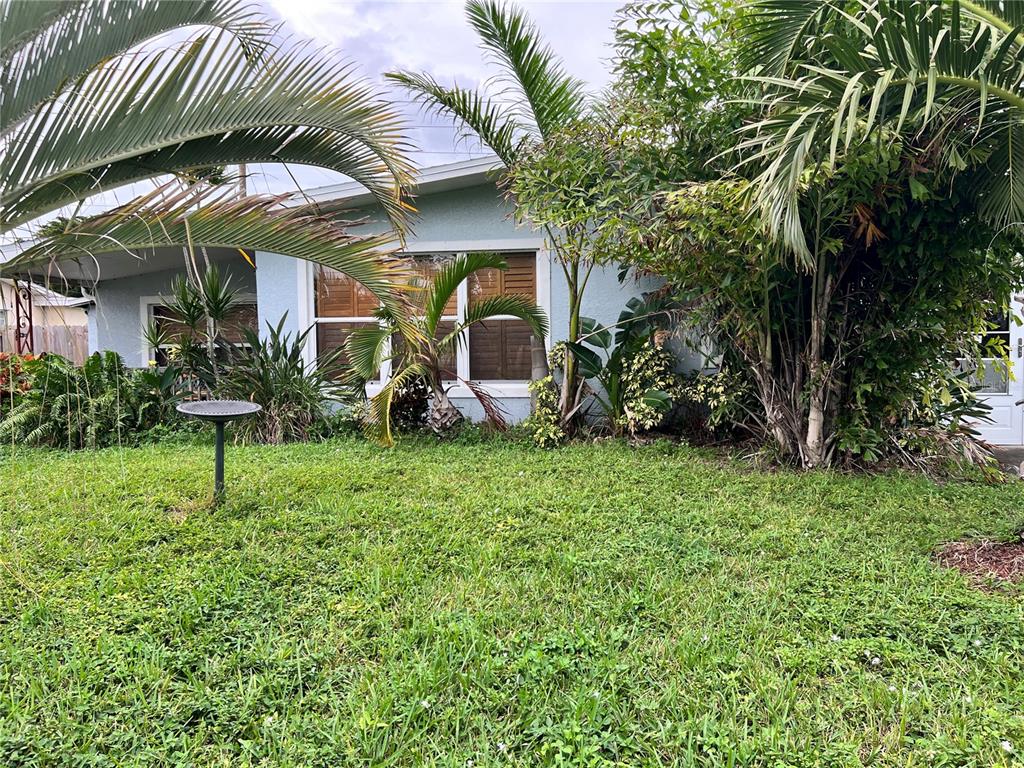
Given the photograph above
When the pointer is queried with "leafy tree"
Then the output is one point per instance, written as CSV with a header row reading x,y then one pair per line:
x,y
677,91
549,102
93,96
890,174
854,358
419,346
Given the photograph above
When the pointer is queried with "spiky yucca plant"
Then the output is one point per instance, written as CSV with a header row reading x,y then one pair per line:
x,y
272,371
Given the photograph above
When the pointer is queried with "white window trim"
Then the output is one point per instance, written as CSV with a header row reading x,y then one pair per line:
x,y
146,304
503,389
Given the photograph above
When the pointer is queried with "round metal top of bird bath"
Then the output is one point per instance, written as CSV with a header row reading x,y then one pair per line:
x,y
219,410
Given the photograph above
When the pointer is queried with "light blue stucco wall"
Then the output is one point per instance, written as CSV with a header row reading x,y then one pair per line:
x,y
116,320
277,285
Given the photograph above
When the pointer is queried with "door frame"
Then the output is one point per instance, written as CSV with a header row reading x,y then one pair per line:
x,y
1007,417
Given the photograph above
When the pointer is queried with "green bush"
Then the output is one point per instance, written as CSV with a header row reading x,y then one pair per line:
x,y
543,425
97,404
296,398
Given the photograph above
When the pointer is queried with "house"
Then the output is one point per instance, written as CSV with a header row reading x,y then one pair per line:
x,y
460,209
49,321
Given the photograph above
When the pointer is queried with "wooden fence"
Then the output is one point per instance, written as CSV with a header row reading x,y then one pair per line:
x,y
71,341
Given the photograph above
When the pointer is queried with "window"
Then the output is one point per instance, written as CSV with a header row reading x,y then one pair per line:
x,y
992,376
241,318
498,349
340,306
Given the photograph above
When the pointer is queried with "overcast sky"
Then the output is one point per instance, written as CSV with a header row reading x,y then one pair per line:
x,y
434,37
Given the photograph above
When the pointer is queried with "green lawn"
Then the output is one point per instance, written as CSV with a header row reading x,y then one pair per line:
x,y
494,605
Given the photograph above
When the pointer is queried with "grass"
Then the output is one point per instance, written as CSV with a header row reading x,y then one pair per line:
x,y
493,605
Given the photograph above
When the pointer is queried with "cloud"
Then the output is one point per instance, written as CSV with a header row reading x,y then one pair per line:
x,y
434,37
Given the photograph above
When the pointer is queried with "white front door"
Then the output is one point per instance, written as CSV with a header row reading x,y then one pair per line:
x,y
1002,393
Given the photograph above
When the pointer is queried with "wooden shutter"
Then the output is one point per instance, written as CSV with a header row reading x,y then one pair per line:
x,y
338,295
499,350
242,318
331,336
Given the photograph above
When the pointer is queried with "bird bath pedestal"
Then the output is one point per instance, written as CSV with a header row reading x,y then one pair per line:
x,y
219,412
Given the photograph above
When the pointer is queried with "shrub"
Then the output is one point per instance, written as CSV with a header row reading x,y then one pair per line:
x,y
15,380
98,404
296,398
649,384
722,398
633,370
544,424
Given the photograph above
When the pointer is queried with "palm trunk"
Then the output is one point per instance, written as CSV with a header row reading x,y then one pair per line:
x,y
444,416
570,390
814,442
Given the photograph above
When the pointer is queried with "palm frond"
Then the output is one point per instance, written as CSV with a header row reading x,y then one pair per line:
x,y
512,306
297,105
20,22
555,98
778,29
364,349
909,66
377,422
482,117
47,46
166,217
447,279
492,407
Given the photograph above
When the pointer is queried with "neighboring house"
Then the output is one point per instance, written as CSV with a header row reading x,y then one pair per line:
x,y
460,209
57,322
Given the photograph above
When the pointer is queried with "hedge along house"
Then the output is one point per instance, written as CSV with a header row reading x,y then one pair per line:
x,y
460,210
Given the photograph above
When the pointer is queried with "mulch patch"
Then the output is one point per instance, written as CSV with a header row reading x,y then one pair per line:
x,y
981,560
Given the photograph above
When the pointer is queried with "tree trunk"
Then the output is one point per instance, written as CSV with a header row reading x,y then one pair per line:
x,y
538,364
444,416
567,401
211,347
814,442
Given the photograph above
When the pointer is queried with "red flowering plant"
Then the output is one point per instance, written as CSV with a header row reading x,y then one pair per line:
x,y
15,379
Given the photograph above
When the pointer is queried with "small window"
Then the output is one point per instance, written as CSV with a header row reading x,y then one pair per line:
x,y
341,305
992,377
241,318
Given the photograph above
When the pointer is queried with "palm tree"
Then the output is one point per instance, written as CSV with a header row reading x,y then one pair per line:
x,y
547,101
94,96
425,350
947,75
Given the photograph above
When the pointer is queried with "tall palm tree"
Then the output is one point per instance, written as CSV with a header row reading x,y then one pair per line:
x,y
94,96
948,75
429,351
545,101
